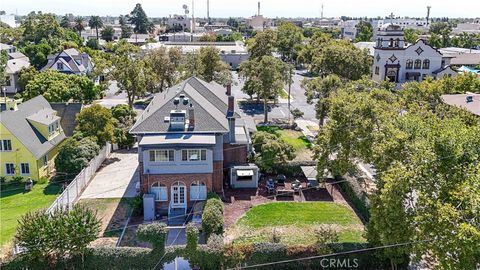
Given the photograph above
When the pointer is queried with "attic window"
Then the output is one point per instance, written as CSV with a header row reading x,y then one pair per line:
x,y
60,66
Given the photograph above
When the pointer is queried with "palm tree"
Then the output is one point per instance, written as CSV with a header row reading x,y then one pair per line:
x,y
95,22
79,25
65,23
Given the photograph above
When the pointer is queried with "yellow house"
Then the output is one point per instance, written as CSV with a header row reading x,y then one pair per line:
x,y
30,135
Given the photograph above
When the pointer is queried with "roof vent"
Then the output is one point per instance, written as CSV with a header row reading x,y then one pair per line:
x,y
176,101
469,99
182,96
166,119
185,101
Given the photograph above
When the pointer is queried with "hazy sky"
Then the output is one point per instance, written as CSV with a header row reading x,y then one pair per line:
x,y
246,8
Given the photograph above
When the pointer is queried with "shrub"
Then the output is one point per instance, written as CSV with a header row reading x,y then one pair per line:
x,y
17,179
192,237
360,204
324,237
213,195
212,221
155,233
137,205
42,180
3,179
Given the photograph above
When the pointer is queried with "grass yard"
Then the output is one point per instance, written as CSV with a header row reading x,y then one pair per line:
x,y
283,94
14,203
296,223
294,138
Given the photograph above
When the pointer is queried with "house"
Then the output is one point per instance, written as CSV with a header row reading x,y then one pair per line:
x,y
190,139
68,115
16,62
30,136
70,61
468,101
395,62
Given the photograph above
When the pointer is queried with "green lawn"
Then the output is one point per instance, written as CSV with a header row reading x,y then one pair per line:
x,y
296,223
294,138
283,94
14,203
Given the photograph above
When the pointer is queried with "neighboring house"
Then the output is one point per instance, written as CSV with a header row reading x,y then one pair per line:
x,y
232,53
8,48
395,62
190,139
30,135
16,62
70,61
469,102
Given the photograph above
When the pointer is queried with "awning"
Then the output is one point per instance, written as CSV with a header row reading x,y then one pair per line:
x,y
244,172
178,139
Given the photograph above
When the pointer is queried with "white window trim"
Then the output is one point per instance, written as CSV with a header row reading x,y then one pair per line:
x,y
2,148
22,173
199,157
6,169
160,187
161,161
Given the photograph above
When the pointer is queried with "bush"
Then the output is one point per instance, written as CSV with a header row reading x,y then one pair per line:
x,y
212,221
155,233
42,180
3,179
137,205
192,237
213,195
74,155
359,203
17,179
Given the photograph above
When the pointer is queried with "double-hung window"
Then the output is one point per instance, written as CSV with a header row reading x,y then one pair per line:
x,y
9,168
5,145
194,155
160,192
162,155
25,168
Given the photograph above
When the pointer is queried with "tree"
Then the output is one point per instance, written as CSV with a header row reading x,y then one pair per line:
x,y
38,27
93,44
288,35
207,65
265,76
210,37
59,87
25,75
232,22
61,235
37,53
164,64
95,22
74,155
125,117
343,59
3,65
442,29
79,25
263,44
411,35
107,33
139,19
126,29
131,76
435,41
98,122
365,31
321,88
272,152
65,22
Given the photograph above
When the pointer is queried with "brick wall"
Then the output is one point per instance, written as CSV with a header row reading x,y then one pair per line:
x,y
217,176
234,155
169,179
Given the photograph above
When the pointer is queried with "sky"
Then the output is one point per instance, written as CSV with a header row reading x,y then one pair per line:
x,y
247,8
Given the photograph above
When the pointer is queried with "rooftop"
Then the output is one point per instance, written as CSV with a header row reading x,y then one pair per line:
x,y
45,116
460,100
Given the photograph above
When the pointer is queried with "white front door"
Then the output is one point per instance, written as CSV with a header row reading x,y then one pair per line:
x,y
178,196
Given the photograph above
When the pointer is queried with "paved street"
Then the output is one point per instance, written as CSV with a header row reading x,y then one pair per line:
x,y
116,179
112,98
280,110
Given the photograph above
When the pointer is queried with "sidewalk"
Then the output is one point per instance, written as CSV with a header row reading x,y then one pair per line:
x,y
304,125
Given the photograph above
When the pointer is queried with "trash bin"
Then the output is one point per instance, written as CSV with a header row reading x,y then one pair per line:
x,y
28,185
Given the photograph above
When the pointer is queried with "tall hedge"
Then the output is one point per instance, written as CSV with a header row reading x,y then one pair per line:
x,y
212,217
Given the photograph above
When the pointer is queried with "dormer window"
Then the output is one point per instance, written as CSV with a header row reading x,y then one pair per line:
x,y
59,66
53,127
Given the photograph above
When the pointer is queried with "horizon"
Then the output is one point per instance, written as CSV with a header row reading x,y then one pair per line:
x,y
248,8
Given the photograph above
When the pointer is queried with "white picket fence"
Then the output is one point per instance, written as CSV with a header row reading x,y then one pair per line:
x,y
71,193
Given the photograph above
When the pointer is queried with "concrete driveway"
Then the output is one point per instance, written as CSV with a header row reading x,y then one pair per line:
x,y
116,178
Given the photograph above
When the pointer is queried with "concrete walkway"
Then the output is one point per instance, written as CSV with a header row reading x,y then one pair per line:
x,y
304,124
116,178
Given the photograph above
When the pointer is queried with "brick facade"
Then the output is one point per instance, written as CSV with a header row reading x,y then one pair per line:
x,y
168,180
234,155
217,176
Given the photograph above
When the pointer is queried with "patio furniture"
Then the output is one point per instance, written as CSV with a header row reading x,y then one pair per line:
x,y
281,180
270,186
296,186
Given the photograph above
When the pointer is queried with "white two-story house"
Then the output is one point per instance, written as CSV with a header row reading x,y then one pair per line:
x,y
190,141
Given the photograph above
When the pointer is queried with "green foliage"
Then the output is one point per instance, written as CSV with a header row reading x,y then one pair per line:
x,y
17,179
59,87
272,152
65,22
358,200
192,238
131,74
207,65
98,122
93,44
37,53
42,180
125,27
74,155
411,35
3,65
136,204
443,31
343,59
365,31
79,25
95,22
213,195
321,88
56,236
263,44
288,35
39,28
138,18
296,113
107,33
155,233
163,65
325,236
212,217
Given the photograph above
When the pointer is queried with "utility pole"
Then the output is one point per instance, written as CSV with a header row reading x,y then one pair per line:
x,y
208,11
428,14
321,14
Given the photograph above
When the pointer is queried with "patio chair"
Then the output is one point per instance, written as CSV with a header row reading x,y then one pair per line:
x,y
270,186
296,186
281,180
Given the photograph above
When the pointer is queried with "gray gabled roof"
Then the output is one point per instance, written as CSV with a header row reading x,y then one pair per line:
x,y
210,107
68,57
68,114
16,122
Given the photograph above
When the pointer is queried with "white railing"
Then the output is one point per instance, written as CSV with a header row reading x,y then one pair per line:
x,y
71,193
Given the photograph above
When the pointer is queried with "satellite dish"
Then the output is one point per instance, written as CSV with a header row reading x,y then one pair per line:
x,y
185,6
186,11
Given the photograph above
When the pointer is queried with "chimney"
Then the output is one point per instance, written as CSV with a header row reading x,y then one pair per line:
x,y
231,104
229,89
191,117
